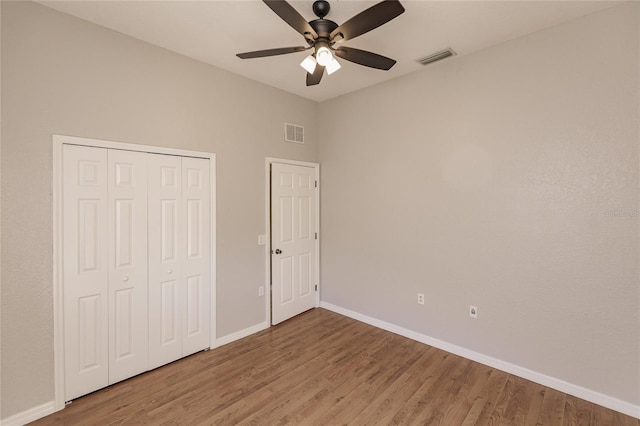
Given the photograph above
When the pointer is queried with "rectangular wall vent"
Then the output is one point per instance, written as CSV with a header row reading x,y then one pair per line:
x,y
437,56
293,133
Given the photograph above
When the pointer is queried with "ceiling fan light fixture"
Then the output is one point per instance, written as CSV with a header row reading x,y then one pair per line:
x,y
324,56
309,64
322,35
333,66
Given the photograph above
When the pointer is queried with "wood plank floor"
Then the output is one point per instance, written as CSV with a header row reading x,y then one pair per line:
x,y
322,368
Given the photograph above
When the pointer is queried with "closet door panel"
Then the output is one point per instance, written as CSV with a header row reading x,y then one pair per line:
x,y
128,295
166,241
196,259
85,269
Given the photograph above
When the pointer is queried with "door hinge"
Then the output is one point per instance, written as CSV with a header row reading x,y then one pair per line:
x,y
316,235
316,184
316,287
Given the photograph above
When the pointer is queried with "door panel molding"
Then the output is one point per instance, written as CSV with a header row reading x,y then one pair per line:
x,y
267,251
58,142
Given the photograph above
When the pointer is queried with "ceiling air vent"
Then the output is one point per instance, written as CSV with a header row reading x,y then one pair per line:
x,y
293,133
437,56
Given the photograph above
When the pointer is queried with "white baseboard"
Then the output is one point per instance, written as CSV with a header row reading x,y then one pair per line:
x,y
551,382
241,334
30,415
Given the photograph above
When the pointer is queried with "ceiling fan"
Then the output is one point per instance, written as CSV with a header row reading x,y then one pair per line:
x,y
325,37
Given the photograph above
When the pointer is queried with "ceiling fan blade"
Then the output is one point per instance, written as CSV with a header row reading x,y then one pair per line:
x,y
369,19
313,79
291,16
362,57
271,52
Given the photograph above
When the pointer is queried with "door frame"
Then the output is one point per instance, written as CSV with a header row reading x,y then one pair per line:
x,y
58,308
267,227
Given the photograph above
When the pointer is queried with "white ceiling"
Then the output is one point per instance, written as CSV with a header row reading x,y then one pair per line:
x,y
214,31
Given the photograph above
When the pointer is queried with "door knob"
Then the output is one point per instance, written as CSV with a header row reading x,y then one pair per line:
x,y
125,279
170,271
278,251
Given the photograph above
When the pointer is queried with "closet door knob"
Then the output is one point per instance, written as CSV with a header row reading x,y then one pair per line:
x,y
125,279
278,251
170,271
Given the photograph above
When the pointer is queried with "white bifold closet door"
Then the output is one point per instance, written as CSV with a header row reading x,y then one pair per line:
x,y
105,267
85,270
179,252
136,255
128,289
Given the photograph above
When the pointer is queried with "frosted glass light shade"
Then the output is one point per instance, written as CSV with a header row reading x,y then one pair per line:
x,y
309,64
333,66
324,56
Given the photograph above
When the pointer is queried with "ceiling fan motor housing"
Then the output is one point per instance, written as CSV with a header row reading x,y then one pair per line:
x,y
323,27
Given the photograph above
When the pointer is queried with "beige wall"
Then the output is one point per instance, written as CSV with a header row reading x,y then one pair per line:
x,y
507,179
65,76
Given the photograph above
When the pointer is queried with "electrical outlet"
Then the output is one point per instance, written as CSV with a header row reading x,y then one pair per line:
x,y
420,299
261,291
473,311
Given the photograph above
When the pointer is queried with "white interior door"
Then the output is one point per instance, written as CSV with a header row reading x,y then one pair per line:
x,y
196,274
166,290
85,269
128,318
293,246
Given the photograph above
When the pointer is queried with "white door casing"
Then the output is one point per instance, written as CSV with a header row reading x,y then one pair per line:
x,y
293,240
128,295
85,269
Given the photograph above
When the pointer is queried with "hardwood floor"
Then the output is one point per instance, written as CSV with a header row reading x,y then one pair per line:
x,y
322,368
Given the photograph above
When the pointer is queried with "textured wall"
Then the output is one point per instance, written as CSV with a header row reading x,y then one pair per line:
x,y
506,179
61,75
